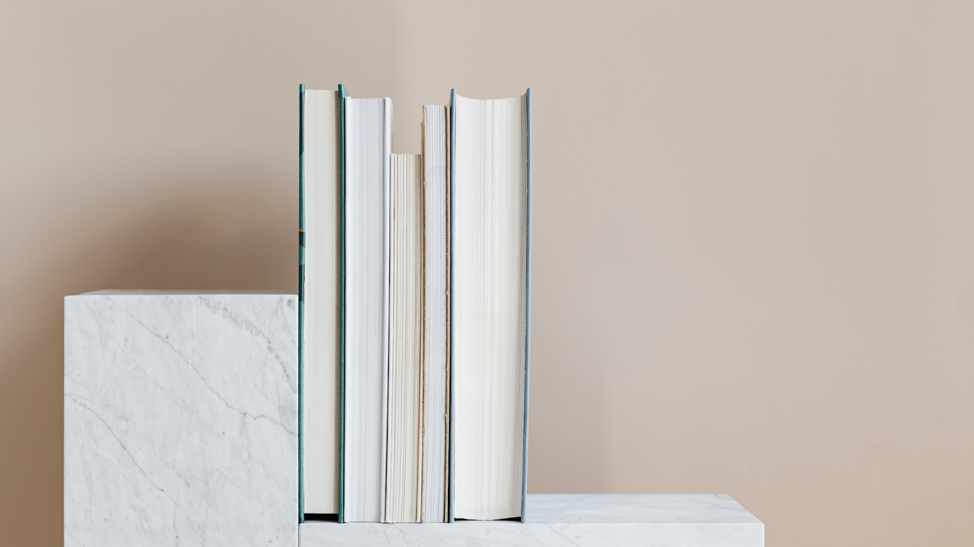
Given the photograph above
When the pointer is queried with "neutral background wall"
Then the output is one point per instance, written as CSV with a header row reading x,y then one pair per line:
x,y
754,226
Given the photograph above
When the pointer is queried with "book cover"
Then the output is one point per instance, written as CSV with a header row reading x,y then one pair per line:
x,y
342,94
527,312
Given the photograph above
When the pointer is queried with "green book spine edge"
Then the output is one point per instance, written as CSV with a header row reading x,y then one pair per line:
x,y
342,94
301,304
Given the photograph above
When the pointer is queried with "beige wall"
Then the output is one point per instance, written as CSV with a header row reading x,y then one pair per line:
x,y
754,242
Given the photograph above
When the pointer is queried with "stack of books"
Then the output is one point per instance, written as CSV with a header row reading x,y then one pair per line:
x,y
414,320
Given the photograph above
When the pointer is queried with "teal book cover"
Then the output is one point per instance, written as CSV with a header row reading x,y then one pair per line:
x,y
527,311
342,94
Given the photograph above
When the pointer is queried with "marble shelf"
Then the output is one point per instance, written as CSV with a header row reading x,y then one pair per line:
x,y
180,428
571,520
180,419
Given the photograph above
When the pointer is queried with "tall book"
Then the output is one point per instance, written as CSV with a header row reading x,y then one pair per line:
x,y
319,331
490,322
405,433
436,316
367,153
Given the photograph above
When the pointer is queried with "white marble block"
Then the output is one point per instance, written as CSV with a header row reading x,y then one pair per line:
x,y
180,419
571,520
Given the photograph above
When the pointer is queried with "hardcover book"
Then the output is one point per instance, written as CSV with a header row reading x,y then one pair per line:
x,y
367,152
490,253
319,330
436,313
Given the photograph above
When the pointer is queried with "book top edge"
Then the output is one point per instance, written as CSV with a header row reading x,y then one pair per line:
x,y
495,100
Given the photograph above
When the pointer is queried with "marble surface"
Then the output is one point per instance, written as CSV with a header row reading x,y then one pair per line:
x,y
572,520
180,419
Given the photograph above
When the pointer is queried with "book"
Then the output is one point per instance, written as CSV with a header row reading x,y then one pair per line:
x,y
436,316
414,311
319,291
403,469
490,200
367,155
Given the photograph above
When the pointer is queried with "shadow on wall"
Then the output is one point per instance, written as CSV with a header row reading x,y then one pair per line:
x,y
207,232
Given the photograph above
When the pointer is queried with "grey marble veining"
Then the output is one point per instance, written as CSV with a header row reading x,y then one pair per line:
x,y
572,520
180,419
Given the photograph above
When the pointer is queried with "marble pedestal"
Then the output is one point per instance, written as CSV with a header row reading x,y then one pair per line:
x,y
180,419
571,520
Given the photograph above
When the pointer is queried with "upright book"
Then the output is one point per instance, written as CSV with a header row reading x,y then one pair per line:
x,y
436,313
405,427
367,153
319,330
490,322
